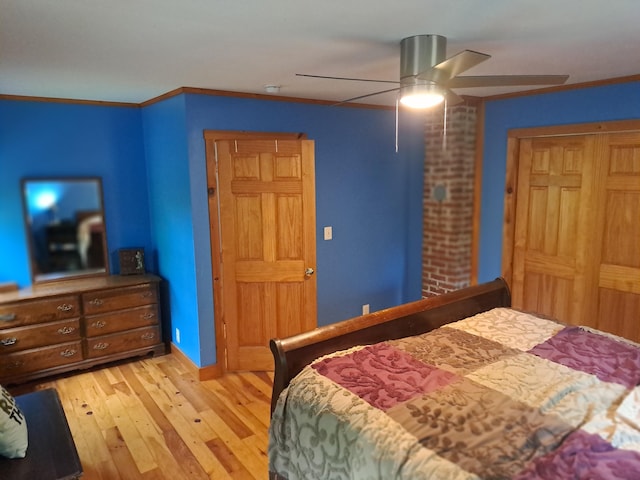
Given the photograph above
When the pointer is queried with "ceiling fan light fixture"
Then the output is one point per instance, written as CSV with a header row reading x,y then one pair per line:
x,y
421,96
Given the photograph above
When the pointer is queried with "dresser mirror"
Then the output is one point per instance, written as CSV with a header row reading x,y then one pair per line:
x,y
65,228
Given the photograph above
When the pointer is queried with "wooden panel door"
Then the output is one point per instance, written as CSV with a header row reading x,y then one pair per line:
x,y
617,282
267,231
550,255
576,242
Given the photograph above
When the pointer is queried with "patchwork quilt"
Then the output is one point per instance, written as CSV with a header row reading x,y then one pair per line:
x,y
501,395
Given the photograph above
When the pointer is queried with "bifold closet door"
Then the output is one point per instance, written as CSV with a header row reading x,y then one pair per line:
x,y
576,253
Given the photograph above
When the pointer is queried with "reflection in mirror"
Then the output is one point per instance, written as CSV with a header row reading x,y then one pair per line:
x,y
65,227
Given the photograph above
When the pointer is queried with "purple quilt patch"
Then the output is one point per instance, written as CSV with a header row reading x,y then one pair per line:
x,y
606,358
383,376
584,456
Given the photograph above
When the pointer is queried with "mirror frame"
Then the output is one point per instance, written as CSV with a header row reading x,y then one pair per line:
x,y
36,276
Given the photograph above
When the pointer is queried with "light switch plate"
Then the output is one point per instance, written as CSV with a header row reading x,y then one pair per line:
x,y
328,233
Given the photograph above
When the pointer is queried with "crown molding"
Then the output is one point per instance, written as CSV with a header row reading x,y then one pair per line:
x,y
280,98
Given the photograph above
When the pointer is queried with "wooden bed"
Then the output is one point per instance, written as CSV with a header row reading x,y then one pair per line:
x,y
292,354
457,387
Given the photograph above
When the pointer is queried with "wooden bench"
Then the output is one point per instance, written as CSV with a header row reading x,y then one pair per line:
x,y
52,454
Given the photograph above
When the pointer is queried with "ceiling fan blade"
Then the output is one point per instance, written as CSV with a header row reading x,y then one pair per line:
x,y
346,78
453,98
506,80
367,95
453,66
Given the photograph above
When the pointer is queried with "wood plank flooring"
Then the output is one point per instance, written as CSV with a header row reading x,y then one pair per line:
x,y
152,420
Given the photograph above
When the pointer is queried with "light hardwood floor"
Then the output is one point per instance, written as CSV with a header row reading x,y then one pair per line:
x,y
151,419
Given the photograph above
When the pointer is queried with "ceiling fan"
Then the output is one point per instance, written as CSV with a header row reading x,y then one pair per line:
x,y
427,77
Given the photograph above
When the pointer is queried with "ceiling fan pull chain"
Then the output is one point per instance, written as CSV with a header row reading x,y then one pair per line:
x,y
397,124
444,127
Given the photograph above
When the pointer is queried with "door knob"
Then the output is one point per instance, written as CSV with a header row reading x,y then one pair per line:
x,y
309,271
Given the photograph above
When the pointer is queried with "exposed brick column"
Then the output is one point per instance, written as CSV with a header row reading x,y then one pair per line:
x,y
448,200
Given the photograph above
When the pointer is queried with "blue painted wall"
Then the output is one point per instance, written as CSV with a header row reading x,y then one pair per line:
x,y
585,105
171,219
42,139
152,164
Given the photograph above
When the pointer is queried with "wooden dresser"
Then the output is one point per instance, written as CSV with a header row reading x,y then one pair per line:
x,y
62,326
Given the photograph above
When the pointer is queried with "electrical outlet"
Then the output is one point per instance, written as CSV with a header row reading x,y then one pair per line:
x,y
177,335
365,309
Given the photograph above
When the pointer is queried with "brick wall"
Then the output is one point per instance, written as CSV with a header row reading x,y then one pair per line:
x,y
448,200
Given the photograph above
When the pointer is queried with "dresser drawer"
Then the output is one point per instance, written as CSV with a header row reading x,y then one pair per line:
x,y
36,311
23,338
119,321
119,298
122,342
28,361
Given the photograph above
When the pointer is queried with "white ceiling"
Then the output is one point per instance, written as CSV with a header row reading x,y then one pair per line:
x,y
135,50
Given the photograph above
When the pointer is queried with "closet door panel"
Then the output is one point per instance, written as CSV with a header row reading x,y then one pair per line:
x,y
618,269
619,313
553,201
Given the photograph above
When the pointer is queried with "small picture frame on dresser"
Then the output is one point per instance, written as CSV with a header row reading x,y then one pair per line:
x,y
131,261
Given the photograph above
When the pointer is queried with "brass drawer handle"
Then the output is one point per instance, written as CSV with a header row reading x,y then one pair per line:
x,y
66,330
98,324
148,336
96,302
69,352
147,316
7,317
65,307
100,346
5,342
